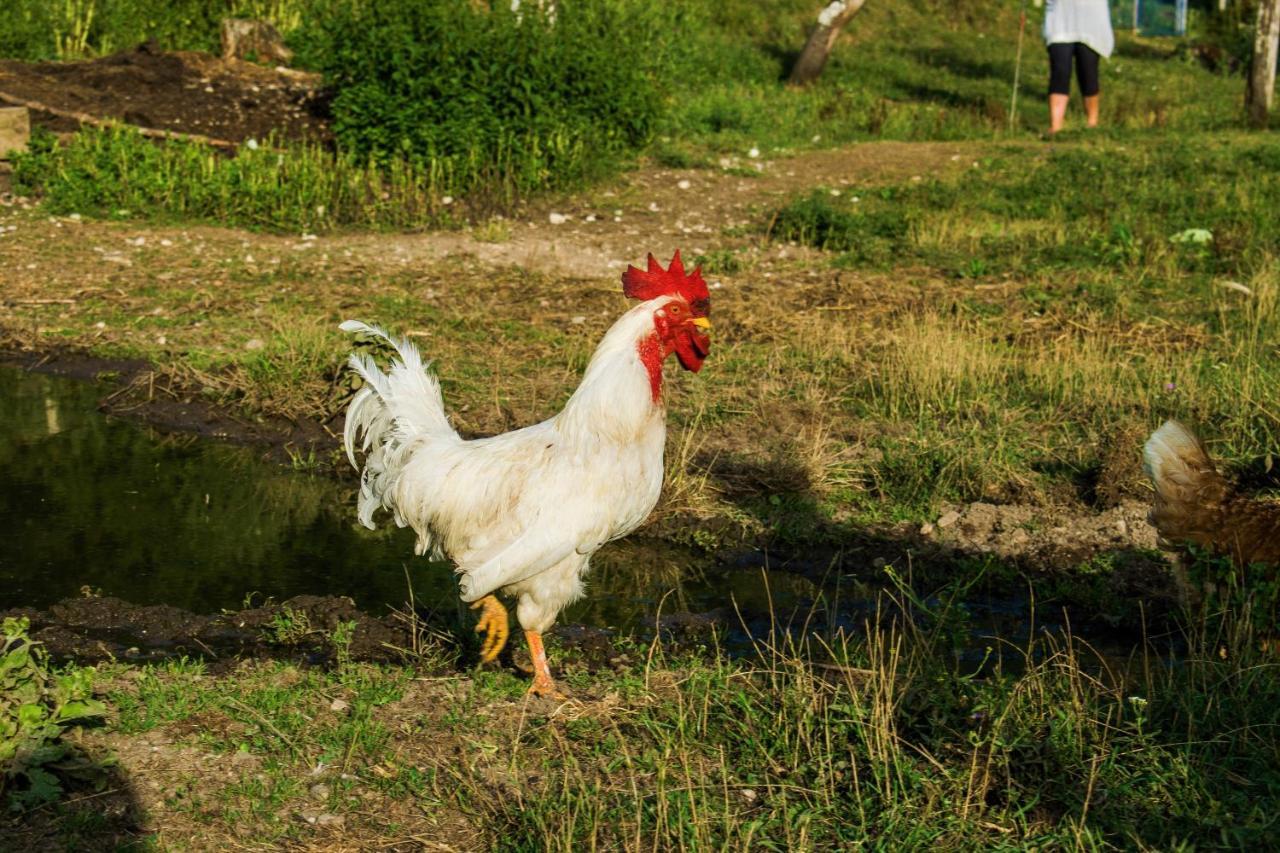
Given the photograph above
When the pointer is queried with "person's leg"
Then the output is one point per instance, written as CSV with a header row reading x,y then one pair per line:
x,y
1087,76
1059,84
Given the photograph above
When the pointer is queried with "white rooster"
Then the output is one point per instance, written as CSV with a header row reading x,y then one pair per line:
x,y
521,513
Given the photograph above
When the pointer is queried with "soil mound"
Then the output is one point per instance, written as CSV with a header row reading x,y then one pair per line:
x,y
185,92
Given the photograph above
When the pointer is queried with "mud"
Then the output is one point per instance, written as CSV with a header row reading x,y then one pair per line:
x,y
95,629
184,92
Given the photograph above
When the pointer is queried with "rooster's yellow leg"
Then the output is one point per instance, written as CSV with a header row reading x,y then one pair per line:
x,y
493,624
543,684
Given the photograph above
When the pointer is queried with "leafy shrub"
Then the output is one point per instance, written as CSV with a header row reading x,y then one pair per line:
x,y
521,98
36,705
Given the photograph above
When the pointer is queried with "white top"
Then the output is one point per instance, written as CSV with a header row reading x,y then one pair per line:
x,y
1087,21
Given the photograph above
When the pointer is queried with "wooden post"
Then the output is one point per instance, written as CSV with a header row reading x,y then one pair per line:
x,y
813,58
15,130
1262,71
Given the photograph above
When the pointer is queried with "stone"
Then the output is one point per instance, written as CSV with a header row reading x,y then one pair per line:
x,y
243,38
15,131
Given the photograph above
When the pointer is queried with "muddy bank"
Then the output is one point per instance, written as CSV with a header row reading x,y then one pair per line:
x,y
141,392
95,629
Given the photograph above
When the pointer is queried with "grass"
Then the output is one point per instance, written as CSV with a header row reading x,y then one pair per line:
x,y
890,734
117,174
1115,320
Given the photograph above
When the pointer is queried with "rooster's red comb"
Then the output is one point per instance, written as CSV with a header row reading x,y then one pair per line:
x,y
672,281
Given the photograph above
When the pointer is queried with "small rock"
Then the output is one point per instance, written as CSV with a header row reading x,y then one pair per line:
x,y
578,320
558,218
653,207
753,153
749,795
338,705
254,344
949,519
319,791
330,820
926,528
161,340
684,184
447,200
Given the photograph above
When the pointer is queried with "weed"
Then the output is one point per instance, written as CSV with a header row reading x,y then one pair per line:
x,y
341,639
37,706
288,627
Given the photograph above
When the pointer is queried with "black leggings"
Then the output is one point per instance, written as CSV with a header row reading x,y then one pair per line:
x,y
1060,68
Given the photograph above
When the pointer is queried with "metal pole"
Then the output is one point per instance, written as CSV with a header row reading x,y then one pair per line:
x,y
1017,68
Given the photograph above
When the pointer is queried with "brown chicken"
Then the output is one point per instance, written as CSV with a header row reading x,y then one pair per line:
x,y
1195,505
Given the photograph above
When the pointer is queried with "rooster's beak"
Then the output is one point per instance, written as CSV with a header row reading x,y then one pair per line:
x,y
702,323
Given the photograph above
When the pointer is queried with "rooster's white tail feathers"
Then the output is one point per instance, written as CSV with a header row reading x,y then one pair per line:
x,y
385,417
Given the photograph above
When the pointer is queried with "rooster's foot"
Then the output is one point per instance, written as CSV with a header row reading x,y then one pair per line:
x,y
547,691
493,624
543,685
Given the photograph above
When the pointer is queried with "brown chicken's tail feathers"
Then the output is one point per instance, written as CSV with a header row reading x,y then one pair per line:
x,y
1189,489
1175,457
394,406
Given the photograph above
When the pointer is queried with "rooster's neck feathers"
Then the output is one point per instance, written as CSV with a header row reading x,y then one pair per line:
x,y
616,397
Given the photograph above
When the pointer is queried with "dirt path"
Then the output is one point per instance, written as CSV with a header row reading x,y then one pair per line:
x,y
655,209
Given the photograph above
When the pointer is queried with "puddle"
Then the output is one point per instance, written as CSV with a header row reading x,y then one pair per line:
x,y
91,500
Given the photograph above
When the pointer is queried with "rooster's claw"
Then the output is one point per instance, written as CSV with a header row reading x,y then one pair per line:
x,y
493,624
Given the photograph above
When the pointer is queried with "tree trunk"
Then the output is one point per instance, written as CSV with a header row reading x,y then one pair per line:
x,y
813,58
1262,73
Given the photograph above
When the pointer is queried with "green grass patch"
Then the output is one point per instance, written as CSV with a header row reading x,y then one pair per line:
x,y
118,174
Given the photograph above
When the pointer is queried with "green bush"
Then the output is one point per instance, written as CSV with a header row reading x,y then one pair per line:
x,y
518,98
36,705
